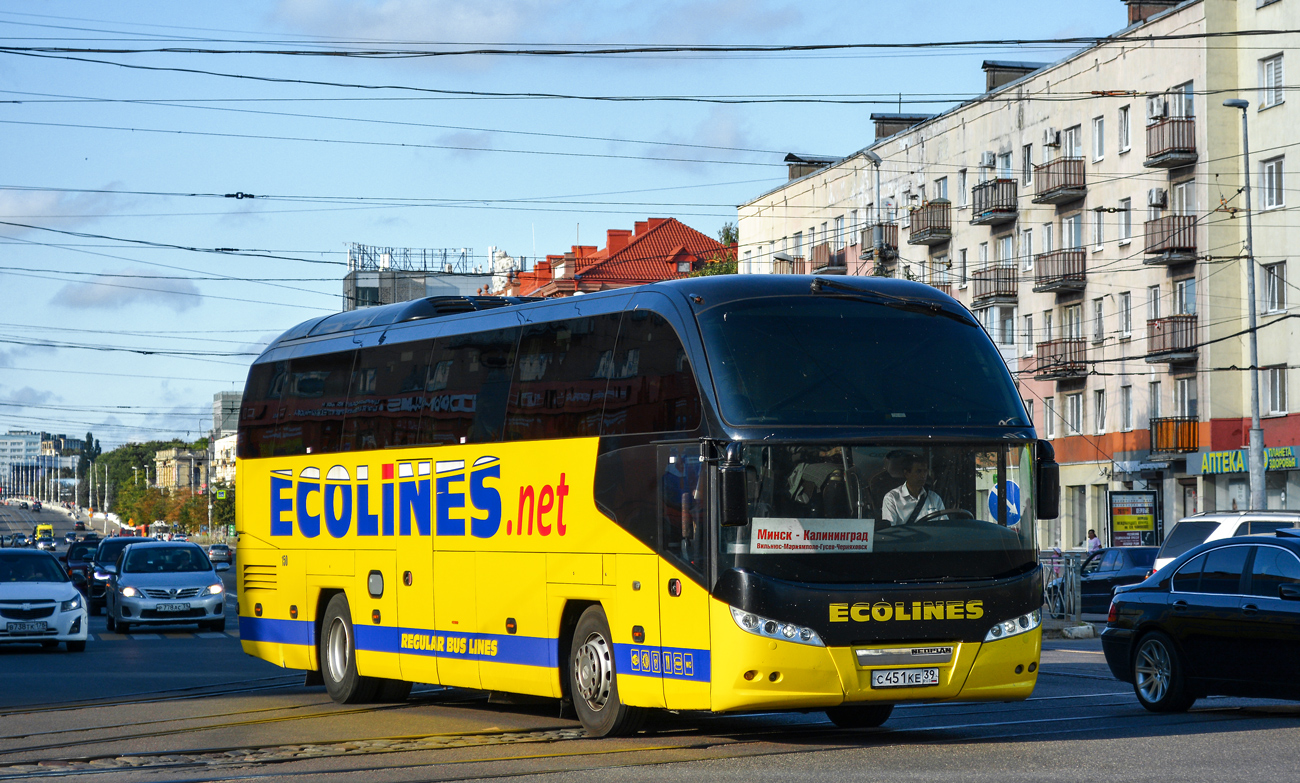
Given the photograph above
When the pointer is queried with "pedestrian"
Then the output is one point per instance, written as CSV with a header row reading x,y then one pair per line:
x,y
1094,543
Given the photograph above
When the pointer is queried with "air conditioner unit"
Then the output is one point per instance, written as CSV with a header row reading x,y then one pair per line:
x,y
1157,197
988,160
1051,138
1157,107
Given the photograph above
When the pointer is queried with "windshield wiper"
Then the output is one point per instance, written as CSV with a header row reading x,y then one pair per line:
x,y
923,306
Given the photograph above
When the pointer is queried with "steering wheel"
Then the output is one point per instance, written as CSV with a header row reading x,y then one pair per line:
x,y
955,512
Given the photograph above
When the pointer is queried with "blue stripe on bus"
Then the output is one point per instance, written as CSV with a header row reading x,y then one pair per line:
x,y
526,650
265,629
677,663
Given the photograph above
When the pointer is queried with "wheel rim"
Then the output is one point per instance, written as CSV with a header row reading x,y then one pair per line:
x,y
594,666
1152,671
338,649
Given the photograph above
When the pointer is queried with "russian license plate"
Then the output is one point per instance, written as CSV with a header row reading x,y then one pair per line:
x,y
173,607
33,627
904,678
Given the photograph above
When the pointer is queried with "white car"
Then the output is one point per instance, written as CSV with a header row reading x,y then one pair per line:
x,y
1212,525
39,603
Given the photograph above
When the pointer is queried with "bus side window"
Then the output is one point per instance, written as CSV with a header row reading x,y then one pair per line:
x,y
560,378
386,396
315,396
683,504
652,387
258,410
470,375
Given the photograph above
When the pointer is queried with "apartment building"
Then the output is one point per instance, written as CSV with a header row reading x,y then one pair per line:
x,y
1089,212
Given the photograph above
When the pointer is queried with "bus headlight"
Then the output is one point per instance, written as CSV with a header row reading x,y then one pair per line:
x,y
771,629
1015,626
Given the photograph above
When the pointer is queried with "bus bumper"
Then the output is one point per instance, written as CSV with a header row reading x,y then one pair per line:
x,y
756,673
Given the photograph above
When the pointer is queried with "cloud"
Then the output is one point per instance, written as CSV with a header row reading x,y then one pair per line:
x,y
39,207
110,293
477,141
420,20
719,128
9,355
29,396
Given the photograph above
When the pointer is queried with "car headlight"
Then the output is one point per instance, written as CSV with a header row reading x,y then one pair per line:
x,y
129,592
771,629
101,576
71,605
1015,626
216,589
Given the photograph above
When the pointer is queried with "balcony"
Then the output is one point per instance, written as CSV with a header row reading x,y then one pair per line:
x,y
994,202
995,285
1174,435
1171,143
931,223
795,266
1060,181
828,261
1060,270
1171,339
879,245
1063,358
1171,240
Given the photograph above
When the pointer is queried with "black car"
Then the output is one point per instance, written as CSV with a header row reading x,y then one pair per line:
x,y
106,552
80,558
1222,618
1107,569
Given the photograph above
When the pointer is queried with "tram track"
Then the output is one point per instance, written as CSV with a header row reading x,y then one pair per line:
x,y
150,697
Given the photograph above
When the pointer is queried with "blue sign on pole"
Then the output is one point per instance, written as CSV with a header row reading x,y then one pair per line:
x,y
1013,504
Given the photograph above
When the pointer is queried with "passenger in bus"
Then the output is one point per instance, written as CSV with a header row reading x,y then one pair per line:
x,y
888,478
682,486
816,485
911,501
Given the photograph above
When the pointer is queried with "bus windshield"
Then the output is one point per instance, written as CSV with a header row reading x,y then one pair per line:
x,y
885,513
846,361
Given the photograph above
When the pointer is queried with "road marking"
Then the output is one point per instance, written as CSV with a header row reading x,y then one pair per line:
x,y
145,636
211,635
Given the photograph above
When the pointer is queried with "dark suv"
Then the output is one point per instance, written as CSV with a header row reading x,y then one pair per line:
x,y
1222,618
106,553
80,557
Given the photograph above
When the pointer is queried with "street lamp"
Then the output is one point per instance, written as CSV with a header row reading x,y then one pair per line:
x,y
1256,445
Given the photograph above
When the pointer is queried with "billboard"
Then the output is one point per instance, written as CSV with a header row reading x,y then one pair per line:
x,y
1133,518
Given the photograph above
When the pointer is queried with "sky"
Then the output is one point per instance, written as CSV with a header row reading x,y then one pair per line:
x,y
134,286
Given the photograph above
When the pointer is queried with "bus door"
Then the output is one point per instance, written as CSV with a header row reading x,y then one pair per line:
x,y
683,601
415,608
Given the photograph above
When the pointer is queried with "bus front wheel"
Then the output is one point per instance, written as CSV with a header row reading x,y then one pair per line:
x,y
860,716
338,656
593,681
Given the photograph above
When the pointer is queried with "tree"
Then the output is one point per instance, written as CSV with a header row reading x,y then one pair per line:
x,y
724,261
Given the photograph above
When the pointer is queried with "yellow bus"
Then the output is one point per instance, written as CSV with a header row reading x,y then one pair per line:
x,y
731,493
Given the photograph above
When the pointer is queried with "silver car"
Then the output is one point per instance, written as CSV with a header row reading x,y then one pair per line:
x,y
157,583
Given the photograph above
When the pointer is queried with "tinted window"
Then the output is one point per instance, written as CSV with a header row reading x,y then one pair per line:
x,y
110,548
1273,568
1188,578
652,387
80,551
315,396
469,386
1111,561
1186,535
1141,558
386,396
560,378
847,361
1223,569
263,397
25,568
683,504
1265,526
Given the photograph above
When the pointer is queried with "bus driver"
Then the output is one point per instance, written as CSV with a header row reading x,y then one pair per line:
x,y
911,500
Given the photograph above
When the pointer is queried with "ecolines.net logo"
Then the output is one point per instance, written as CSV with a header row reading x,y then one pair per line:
x,y
415,497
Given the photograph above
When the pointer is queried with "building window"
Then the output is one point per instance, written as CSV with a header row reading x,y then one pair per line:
x,y
1099,411
1072,142
1185,296
1275,389
1047,326
941,188
1029,335
1007,249
1098,138
1125,220
1029,411
1153,405
939,272
1074,413
1181,102
1270,183
798,244
1275,287
1072,322
1006,325
1047,237
1126,408
1125,314
961,187
1027,164
839,233
1153,302
1098,333
961,266
1072,232
1049,417
984,255
1004,165
1270,82
1125,134
1185,398
1027,248
1098,230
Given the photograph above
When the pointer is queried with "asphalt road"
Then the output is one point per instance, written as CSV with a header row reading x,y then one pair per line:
x,y
184,706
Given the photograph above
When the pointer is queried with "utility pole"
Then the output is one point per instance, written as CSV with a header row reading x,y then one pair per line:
x,y
1256,443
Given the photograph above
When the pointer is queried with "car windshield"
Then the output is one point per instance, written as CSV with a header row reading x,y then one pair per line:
x,y
110,548
1185,535
81,551
165,560
847,361
882,513
24,568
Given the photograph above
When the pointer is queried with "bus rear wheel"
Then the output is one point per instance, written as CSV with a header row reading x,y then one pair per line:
x,y
860,716
593,680
338,656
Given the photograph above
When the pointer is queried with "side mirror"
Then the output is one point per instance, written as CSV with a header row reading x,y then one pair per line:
x,y
1048,494
78,579
222,566
1289,592
735,495
109,568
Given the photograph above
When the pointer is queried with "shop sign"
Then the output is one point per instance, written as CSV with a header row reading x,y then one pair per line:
x,y
1236,461
1133,518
